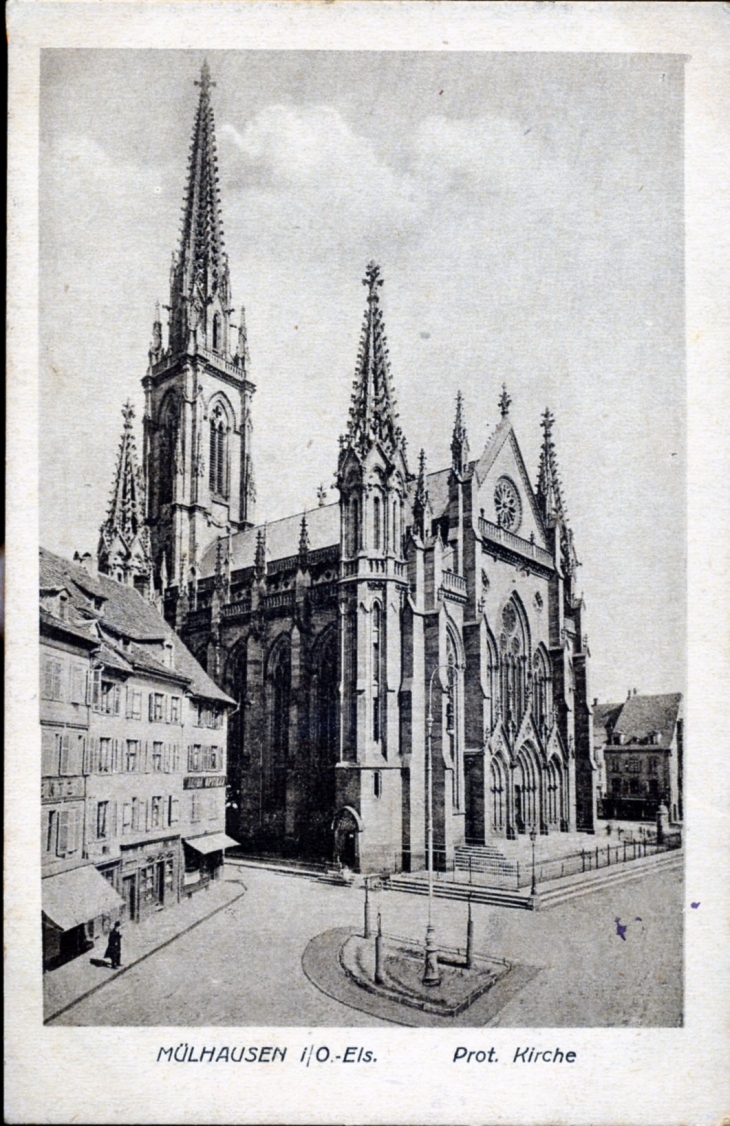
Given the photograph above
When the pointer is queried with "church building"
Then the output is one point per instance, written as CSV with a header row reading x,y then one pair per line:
x,y
427,624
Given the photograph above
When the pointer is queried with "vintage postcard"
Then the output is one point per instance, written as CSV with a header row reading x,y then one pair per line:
x,y
367,560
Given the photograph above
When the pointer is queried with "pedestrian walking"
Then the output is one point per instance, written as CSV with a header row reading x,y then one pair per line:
x,y
114,946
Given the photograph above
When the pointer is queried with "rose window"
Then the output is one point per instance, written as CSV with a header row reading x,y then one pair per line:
x,y
507,505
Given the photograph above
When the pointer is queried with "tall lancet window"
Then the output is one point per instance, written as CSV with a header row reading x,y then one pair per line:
x,y
216,332
377,656
218,466
376,523
169,453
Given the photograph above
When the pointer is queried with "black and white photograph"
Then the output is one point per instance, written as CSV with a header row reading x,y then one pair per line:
x,y
362,553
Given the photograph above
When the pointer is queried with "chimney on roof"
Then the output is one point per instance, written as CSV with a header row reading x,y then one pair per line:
x,y
87,562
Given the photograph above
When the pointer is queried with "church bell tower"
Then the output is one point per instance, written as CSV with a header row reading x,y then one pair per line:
x,y
197,423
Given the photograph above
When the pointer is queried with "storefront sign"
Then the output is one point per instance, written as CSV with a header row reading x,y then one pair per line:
x,y
204,783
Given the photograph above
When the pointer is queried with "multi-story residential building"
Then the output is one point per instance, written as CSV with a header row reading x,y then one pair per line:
x,y
640,746
133,759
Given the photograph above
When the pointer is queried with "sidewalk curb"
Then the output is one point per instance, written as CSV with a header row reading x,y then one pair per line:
x,y
148,954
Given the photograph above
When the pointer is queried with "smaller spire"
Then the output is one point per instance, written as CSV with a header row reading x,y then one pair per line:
x,y
420,499
303,542
321,496
242,359
259,563
124,535
204,82
459,440
505,402
549,496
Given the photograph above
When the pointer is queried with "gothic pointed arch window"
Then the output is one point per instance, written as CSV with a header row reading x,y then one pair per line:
x,y
542,693
376,523
168,448
280,697
377,663
326,698
216,333
218,461
514,646
498,788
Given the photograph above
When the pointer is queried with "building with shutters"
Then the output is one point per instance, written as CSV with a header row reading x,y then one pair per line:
x,y
639,745
133,742
425,617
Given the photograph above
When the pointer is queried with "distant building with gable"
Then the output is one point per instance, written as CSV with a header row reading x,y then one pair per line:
x,y
639,747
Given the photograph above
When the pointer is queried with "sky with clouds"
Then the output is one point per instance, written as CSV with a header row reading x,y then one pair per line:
x,y
527,213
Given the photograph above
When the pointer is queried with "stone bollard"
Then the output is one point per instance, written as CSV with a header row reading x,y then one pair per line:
x,y
379,953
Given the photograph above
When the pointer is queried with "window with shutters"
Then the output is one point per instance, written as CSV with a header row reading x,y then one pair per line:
x,y
105,756
157,707
64,749
127,817
102,820
49,753
51,683
68,836
194,757
134,703
175,758
155,812
174,709
174,810
214,807
111,695
157,758
51,830
215,761
195,806
131,761
136,819
78,684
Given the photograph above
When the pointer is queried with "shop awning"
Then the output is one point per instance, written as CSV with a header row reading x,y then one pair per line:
x,y
73,898
212,843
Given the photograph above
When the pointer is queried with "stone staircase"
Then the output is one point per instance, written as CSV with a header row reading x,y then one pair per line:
x,y
488,861
417,884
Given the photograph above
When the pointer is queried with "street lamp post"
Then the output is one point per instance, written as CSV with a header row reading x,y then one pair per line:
x,y
533,838
431,974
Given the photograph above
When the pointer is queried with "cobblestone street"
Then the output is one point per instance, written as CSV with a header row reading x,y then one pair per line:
x,y
243,966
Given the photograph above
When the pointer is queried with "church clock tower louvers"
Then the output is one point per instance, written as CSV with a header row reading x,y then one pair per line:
x,y
197,423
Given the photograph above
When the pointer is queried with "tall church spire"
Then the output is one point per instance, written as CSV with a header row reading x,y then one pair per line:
x,y
373,417
123,550
200,278
459,440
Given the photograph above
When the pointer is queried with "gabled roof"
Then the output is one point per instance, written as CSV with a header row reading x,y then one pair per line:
x,y
604,719
281,538
129,617
641,715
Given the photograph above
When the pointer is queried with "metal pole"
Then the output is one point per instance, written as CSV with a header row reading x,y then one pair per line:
x,y
368,922
379,953
469,938
533,838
